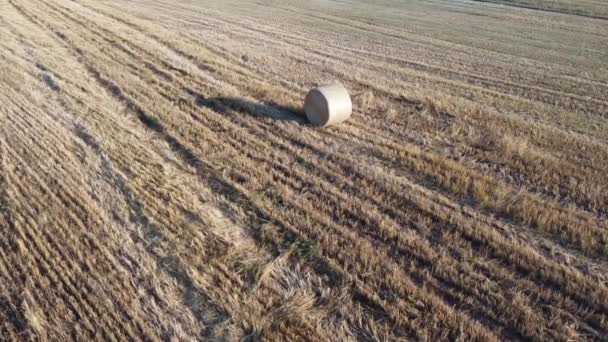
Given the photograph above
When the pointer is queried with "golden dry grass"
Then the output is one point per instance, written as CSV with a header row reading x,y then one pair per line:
x,y
158,180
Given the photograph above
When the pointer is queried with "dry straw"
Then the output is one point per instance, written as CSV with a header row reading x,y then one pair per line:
x,y
328,105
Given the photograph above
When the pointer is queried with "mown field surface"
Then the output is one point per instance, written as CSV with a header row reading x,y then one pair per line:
x,y
158,179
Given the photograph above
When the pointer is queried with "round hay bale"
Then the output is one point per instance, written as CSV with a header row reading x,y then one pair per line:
x,y
328,105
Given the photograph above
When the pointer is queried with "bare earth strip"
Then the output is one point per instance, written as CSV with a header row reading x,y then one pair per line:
x,y
158,179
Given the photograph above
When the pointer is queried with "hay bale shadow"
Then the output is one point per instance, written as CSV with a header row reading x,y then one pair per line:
x,y
232,105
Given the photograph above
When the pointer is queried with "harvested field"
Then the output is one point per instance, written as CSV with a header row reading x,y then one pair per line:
x,y
158,179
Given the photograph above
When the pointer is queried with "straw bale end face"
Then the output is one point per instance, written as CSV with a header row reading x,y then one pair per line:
x,y
328,105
